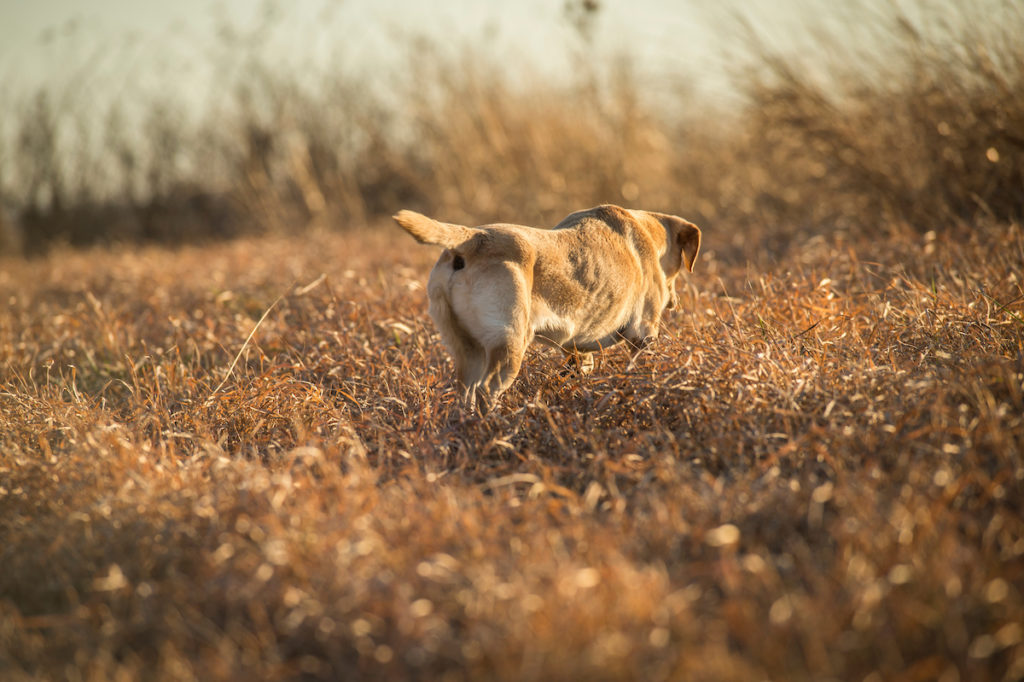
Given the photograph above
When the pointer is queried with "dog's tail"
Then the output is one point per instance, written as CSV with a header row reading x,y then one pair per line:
x,y
429,231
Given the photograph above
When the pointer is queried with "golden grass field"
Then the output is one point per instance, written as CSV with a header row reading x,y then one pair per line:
x,y
231,447
815,473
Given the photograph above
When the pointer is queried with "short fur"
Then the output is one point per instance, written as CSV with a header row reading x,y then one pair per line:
x,y
600,276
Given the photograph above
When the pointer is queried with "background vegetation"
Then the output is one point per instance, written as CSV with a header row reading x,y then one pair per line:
x,y
244,460
880,117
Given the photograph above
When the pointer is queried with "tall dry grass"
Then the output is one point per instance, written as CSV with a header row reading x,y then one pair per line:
x,y
917,120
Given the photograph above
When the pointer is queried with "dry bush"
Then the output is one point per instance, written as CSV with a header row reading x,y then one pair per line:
x,y
910,114
916,118
816,472
484,148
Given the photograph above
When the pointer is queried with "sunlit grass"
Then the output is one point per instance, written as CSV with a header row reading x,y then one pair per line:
x,y
246,460
815,472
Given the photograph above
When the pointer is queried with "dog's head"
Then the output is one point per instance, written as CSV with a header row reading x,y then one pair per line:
x,y
682,242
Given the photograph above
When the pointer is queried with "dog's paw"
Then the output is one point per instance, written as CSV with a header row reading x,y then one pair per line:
x,y
477,401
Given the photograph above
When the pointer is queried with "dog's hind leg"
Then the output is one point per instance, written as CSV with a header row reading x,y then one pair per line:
x,y
503,363
493,306
470,370
468,355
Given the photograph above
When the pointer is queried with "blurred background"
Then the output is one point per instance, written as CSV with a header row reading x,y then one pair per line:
x,y
765,120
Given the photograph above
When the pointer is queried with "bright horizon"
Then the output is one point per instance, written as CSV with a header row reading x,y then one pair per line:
x,y
119,43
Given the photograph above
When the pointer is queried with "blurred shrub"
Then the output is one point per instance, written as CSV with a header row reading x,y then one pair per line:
x,y
921,121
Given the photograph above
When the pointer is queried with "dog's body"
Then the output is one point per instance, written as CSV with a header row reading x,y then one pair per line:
x,y
598,277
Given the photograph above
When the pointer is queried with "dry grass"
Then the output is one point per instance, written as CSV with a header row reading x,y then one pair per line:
x,y
916,120
815,474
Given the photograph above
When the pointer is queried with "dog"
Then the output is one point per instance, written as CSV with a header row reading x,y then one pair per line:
x,y
601,276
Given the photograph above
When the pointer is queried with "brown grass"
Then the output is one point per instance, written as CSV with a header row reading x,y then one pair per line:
x,y
816,473
246,460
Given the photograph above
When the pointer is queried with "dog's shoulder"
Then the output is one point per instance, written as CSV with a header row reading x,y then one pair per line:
x,y
620,220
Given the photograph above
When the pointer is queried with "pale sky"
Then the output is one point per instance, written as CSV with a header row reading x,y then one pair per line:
x,y
125,44
67,40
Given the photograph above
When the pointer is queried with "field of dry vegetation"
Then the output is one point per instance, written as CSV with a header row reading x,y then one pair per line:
x,y
242,457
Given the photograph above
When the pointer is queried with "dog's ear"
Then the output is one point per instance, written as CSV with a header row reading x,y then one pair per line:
x,y
686,237
688,240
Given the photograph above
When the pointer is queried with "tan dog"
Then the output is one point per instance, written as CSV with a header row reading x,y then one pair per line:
x,y
600,276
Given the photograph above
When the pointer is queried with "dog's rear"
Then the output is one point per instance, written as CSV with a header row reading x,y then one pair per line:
x,y
477,300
